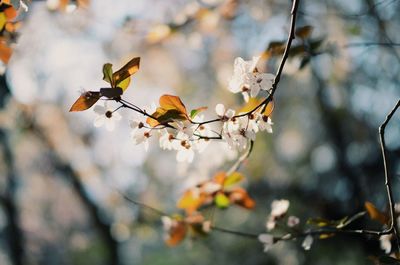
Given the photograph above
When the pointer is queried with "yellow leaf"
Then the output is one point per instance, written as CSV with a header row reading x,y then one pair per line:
x,y
190,201
250,105
233,179
3,20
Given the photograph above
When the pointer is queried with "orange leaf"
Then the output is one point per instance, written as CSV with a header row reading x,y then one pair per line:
x,y
375,214
177,233
220,177
126,71
169,102
10,13
269,108
85,101
5,52
171,108
240,197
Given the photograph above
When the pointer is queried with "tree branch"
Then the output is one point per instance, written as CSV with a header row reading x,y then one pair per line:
x,y
388,180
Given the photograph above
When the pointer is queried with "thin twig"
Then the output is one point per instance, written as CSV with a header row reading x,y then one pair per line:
x,y
388,180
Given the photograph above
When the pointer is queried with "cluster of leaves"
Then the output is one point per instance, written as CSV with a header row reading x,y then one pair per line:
x,y
9,24
305,49
221,191
171,109
119,82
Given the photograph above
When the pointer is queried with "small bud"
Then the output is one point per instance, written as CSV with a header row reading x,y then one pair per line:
x,y
108,114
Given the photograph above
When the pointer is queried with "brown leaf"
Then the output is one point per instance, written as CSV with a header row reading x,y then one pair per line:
x,y
177,233
126,71
304,32
85,101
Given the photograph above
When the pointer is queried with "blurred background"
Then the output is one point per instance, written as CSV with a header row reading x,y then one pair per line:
x,y
61,178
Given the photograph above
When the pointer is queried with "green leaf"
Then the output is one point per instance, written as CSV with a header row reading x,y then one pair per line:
x,y
221,200
193,113
233,179
108,73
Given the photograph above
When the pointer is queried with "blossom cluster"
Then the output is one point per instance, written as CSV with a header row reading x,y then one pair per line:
x,y
187,133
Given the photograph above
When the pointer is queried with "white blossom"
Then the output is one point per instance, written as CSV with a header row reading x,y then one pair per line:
x,y
247,79
223,113
385,243
279,207
307,242
105,116
293,221
267,240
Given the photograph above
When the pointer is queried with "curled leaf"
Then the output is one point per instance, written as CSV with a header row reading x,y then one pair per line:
x,y
110,92
126,71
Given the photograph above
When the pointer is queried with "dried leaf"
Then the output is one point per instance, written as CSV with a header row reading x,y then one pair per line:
x,y
85,101
375,214
126,71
